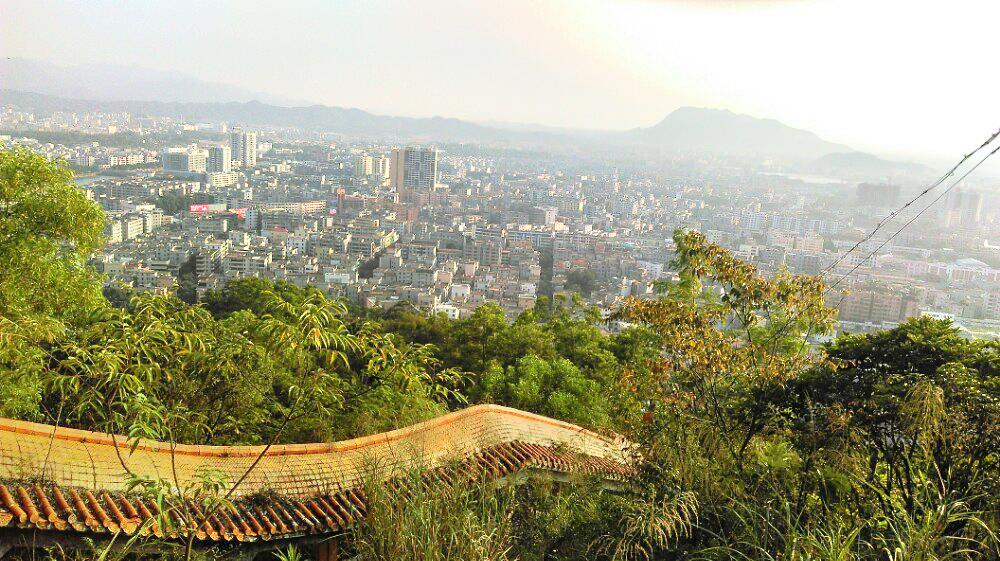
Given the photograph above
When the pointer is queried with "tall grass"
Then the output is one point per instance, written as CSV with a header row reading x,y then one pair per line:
x,y
939,527
645,525
435,522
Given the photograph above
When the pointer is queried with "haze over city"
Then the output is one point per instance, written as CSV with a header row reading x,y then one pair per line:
x,y
899,79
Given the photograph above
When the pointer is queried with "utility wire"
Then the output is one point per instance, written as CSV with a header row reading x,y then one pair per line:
x,y
899,210
912,220
892,215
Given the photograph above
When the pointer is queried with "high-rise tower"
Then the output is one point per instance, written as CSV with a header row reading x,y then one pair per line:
x,y
244,147
220,159
412,169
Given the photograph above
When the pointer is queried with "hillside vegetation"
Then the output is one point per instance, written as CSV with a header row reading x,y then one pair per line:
x,y
749,444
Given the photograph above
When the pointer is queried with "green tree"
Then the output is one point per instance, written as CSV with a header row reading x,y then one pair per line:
x,y
416,326
249,294
48,229
187,281
727,339
583,281
165,369
555,388
172,203
923,402
471,342
876,446
118,294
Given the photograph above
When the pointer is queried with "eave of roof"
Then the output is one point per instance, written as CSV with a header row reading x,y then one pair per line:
x,y
309,497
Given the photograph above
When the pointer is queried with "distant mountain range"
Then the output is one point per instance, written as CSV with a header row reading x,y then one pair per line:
x,y
45,87
254,113
110,82
687,128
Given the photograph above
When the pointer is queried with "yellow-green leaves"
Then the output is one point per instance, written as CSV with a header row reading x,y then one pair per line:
x,y
48,229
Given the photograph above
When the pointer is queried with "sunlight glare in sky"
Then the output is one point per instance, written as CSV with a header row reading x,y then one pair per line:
x,y
898,77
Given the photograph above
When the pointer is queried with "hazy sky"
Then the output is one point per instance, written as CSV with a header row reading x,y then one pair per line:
x,y
899,77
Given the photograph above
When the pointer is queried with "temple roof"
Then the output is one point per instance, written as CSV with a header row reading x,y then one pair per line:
x,y
55,478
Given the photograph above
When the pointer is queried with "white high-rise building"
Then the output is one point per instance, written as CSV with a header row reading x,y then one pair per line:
x,y
188,159
244,147
413,169
380,167
220,159
363,166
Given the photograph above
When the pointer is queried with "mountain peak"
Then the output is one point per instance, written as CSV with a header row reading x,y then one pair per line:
x,y
725,132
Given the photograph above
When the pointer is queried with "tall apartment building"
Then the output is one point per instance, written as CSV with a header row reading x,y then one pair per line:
x,y
220,159
374,169
364,166
880,304
961,208
380,167
543,215
244,147
208,262
878,194
411,170
132,226
991,304
190,159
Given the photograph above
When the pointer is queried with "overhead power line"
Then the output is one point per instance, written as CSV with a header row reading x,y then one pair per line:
x,y
790,321
910,202
915,217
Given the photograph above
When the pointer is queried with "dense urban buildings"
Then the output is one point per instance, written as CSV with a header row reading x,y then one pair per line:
x,y
446,229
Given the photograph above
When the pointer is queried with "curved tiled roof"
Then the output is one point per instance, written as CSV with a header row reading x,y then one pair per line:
x,y
73,480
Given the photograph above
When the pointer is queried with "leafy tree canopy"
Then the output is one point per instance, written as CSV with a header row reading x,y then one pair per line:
x,y
48,228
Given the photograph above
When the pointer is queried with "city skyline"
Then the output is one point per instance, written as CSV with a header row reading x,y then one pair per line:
x,y
822,66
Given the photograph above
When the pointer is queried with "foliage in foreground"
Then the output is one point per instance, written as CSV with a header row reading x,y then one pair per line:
x,y
435,522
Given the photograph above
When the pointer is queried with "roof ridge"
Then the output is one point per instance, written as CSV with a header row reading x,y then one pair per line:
x,y
56,432
90,460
